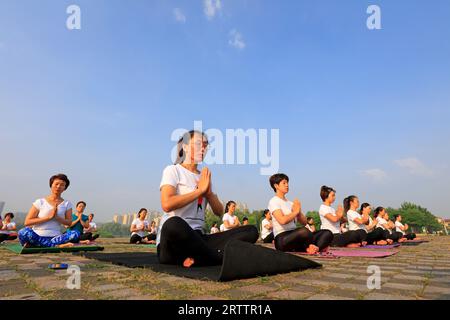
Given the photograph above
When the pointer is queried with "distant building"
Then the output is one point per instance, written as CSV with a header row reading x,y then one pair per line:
x,y
127,218
2,205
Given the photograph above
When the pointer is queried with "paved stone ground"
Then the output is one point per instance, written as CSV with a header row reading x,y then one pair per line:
x,y
416,272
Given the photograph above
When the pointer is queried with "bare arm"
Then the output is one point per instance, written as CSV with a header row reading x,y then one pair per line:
x,y
67,221
133,228
32,217
85,224
215,203
171,201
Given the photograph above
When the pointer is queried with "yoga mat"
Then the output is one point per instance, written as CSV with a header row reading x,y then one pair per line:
x,y
413,242
363,253
321,255
241,260
17,248
388,246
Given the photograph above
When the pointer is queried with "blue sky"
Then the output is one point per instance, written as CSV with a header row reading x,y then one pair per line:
x,y
365,111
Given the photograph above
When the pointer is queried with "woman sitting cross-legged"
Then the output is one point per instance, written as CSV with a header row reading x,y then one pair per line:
x,y
140,227
46,216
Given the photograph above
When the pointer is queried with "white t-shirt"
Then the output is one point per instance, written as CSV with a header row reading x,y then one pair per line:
x,y
264,231
277,203
231,220
8,226
309,227
50,228
139,223
92,226
184,181
381,221
352,225
222,227
398,224
214,230
326,224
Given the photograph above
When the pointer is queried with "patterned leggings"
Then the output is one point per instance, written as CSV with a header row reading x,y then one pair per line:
x,y
27,235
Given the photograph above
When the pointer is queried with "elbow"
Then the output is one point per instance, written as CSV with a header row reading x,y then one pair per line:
x,y
166,207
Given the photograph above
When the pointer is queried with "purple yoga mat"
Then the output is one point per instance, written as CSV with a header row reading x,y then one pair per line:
x,y
363,253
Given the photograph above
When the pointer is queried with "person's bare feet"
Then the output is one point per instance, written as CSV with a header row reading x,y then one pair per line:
x,y
381,243
312,249
65,245
152,242
354,245
85,242
402,240
364,243
390,241
188,262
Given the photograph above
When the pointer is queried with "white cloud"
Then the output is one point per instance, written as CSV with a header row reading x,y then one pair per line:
x,y
211,8
236,40
414,166
375,174
179,15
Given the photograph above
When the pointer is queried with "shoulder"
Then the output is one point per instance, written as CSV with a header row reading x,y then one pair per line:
x,y
274,200
38,202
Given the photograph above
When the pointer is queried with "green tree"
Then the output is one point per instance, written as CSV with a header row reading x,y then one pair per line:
x,y
416,217
316,217
111,229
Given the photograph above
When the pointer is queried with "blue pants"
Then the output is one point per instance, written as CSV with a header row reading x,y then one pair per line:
x,y
27,235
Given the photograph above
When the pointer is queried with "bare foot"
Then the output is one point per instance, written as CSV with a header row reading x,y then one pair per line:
x,y
381,243
152,242
364,243
354,245
312,249
390,241
188,262
65,245
85,242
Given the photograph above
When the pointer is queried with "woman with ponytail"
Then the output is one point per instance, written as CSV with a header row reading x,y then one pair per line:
x,y
185,193
374,235
330,220
230,221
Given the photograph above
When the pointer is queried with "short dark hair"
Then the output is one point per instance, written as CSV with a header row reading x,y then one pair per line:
x,y
91,214
325,192
60,176
276,179
9,214
396,216
245,219
142,209
81,202
266,211
309,218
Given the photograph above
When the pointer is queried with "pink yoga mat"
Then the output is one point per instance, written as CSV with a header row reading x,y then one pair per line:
x,y
363,253
318,255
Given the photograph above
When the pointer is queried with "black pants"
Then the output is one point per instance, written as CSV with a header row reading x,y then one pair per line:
x,y
394,236
89,236
346,238
299,239
4,236
269,238
410,236
135,238
375,236
179,241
